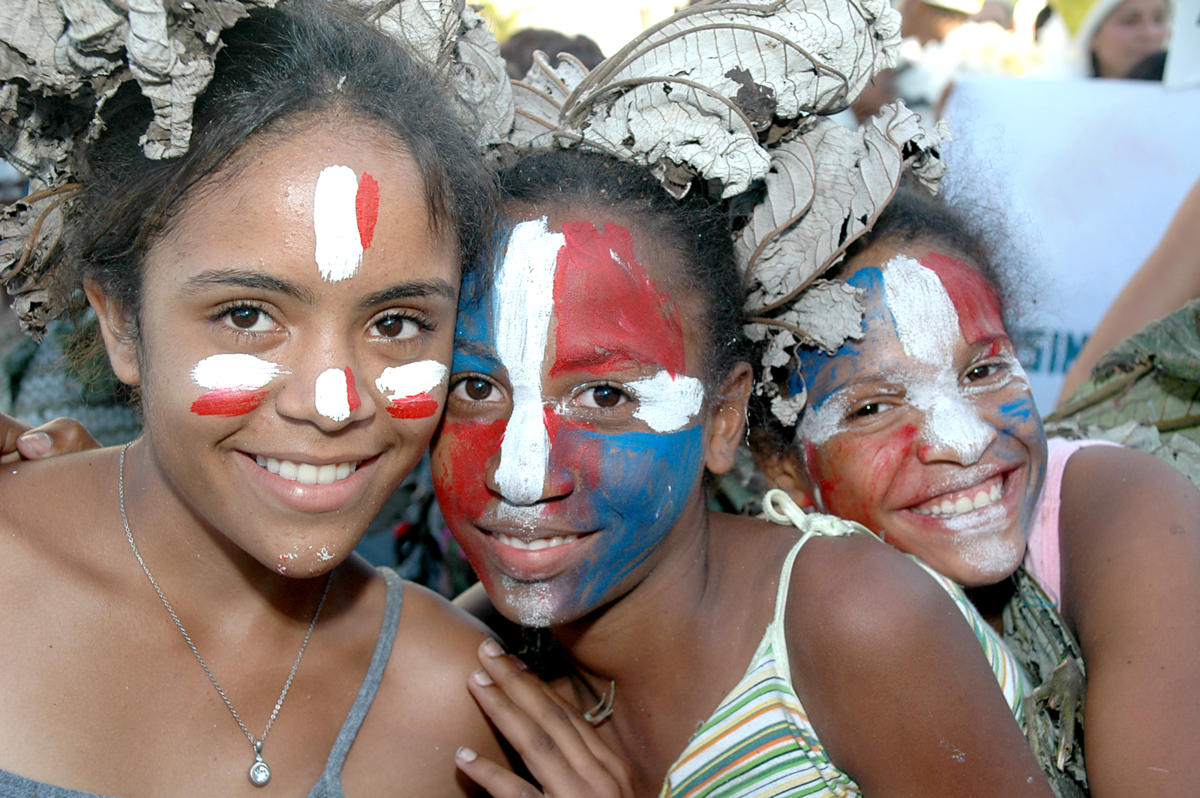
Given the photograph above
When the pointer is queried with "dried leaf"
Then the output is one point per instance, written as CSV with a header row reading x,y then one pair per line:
x,y
859,173
827,314
703,87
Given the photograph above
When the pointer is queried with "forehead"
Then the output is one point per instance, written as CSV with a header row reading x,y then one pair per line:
x,y
268,198
603,282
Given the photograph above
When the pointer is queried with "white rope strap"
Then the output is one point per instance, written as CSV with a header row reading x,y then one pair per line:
x,y
780,508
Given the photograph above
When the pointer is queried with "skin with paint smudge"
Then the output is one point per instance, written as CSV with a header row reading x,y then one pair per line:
x,y
573,445
924,429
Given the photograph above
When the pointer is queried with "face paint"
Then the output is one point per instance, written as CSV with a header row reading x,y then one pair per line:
x,y
569,313
345,211
336,396
407,388
234,382
924,428
524,302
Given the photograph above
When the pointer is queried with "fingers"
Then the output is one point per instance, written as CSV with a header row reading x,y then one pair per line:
x,y
60,436
497,781
10,430
561,750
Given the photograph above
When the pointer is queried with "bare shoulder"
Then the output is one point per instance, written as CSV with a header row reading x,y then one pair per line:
x,y
423,711
895,682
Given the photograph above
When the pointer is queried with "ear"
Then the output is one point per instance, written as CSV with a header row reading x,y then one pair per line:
x,y
728,419
119,331
786,472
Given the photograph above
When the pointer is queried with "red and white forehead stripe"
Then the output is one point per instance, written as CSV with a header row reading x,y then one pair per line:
x,y
234,383
345,210
407,388
336,395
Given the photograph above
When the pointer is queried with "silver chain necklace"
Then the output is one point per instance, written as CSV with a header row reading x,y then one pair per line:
x,y
260,772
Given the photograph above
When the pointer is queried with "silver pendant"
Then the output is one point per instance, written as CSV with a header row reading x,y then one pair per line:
x,y
260,773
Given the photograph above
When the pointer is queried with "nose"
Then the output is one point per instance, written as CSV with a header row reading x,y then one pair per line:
x,y
526,473
954,431
328,394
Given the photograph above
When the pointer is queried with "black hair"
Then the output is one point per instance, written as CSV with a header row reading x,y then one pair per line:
x,y
277,68
696,228
913,215
517,50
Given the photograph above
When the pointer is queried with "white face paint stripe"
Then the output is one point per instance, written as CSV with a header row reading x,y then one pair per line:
x,y
524,297
332,396
926,320
235,372
335,220
667,403
411,379
822,423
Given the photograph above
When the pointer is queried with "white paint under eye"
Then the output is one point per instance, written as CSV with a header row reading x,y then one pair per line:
x,y
332,397
524,303
235,372
822,423
411,379
532,601
335,220
667,403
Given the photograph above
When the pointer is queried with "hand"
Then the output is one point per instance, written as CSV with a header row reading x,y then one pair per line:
x,y
60,436
560,749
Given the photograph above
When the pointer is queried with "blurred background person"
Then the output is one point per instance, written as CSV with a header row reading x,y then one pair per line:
x,y
1110,37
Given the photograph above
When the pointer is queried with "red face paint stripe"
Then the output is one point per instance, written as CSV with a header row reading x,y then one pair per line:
x,y
977,303
607,307
228,403
420,406
366,209
352,391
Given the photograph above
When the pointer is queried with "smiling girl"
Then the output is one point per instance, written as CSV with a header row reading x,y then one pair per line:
x,y
595,382
183,616
924,429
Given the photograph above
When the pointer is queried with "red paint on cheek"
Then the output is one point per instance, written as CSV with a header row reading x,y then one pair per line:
x,y
856,472
610,314
352,391
366,209
228,403
462,452
422,405
976,301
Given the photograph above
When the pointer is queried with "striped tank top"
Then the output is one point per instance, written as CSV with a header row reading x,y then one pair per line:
x,y
759,741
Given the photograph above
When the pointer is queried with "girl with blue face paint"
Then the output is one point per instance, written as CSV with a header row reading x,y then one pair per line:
x,y
596,379
924,430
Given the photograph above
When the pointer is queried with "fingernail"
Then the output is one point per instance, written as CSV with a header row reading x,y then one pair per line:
x,y
481,678
465,754
37,442
492,648
521,666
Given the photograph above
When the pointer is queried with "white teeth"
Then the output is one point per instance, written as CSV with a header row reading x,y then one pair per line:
x,y
307,473
964,504
535,545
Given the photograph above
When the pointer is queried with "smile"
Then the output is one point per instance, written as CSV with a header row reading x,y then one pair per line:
x,y
535,545
961,502
308,473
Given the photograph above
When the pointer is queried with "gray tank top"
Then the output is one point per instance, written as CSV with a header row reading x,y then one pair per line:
x,y
330,783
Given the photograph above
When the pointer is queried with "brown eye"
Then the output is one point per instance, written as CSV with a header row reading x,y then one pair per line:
x,y
397,327
477,389
244,318
603,396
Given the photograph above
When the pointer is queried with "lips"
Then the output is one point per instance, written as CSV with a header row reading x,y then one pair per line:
x,y
962,501
327,485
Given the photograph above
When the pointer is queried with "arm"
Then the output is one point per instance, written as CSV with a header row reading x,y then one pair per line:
x,y
1168,278
1130,542
895,683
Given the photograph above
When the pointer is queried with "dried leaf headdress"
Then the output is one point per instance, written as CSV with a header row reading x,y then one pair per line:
x,y
738,93
61,60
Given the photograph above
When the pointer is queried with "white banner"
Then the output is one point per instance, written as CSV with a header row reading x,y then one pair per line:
x,y
1091,172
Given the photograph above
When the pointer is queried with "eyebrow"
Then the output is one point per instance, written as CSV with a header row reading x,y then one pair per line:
x,y
614,360
246,278
476,349
416,288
